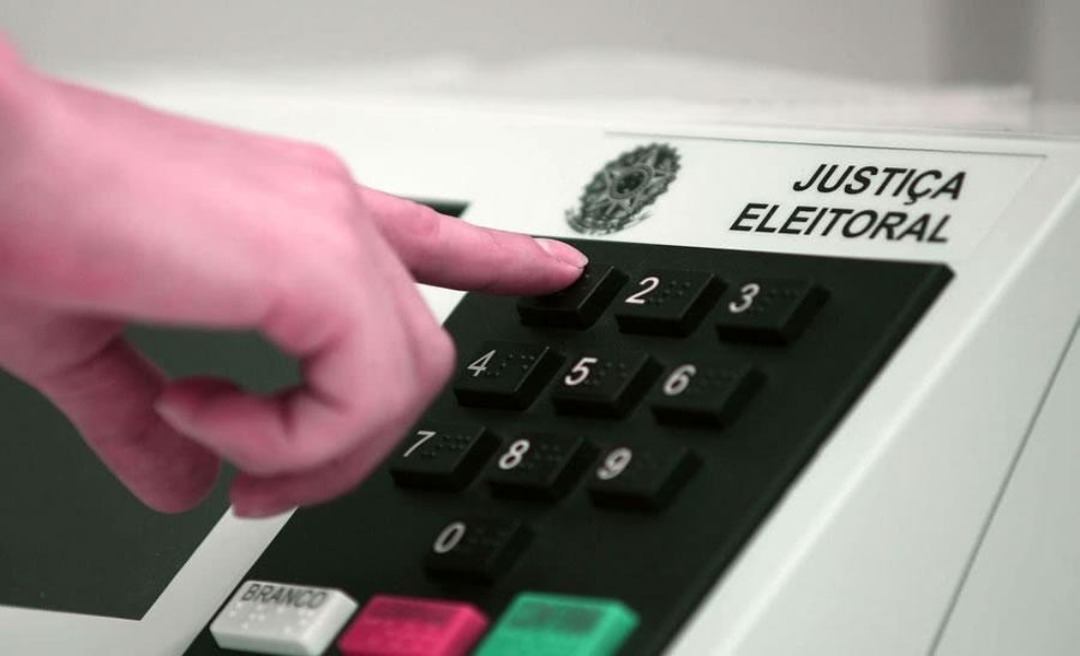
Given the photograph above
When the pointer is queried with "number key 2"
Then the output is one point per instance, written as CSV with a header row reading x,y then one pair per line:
x,y
667,302
769,311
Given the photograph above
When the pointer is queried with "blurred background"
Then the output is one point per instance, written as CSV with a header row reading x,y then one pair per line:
x,y
1032,44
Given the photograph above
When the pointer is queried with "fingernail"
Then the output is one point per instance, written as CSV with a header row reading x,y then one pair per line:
x,y
173,413
564,253
259,509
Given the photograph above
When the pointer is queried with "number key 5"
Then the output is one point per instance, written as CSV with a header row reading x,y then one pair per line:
x,y
604,384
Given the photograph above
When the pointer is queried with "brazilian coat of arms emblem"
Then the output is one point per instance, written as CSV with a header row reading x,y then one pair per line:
x,y
618,194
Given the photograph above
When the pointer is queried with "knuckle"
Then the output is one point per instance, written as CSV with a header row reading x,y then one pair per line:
x,y
323,159
339,197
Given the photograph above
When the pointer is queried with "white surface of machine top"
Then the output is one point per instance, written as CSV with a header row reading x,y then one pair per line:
x,y
914,529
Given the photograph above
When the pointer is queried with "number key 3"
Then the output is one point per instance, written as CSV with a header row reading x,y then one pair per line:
x,y
770,311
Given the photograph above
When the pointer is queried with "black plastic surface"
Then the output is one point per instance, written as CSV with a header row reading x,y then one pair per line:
x,y
658,561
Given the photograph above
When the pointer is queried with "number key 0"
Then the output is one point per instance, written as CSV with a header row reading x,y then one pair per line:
x,y
477,549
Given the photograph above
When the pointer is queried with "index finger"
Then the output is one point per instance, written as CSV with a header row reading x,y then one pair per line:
x,y
448,252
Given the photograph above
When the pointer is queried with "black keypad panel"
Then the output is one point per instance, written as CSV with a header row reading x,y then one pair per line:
x,y
621,440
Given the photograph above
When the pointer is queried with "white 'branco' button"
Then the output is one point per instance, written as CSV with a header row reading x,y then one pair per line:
x,y
279,619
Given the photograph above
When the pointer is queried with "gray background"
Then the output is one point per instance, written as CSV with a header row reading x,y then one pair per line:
x,y
1031,43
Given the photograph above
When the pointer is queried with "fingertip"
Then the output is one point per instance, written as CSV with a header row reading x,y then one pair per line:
x,y
185,493
180,479
249,506
563,252
256,497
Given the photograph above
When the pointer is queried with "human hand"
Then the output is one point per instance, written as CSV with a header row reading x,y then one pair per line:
x,y
111,212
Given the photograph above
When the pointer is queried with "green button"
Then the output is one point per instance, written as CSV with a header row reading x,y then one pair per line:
x,y
539,624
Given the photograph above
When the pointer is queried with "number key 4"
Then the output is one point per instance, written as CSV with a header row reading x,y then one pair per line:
x,y
505,375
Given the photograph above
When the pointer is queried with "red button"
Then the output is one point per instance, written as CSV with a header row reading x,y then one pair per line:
x,y
408,626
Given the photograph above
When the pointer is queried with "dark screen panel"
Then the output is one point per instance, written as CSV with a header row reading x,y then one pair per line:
x,y
73,538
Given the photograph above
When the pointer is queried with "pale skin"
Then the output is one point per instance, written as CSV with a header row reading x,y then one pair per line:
x,y
113,213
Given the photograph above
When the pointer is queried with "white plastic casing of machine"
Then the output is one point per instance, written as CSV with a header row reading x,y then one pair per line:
x,y
940,515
